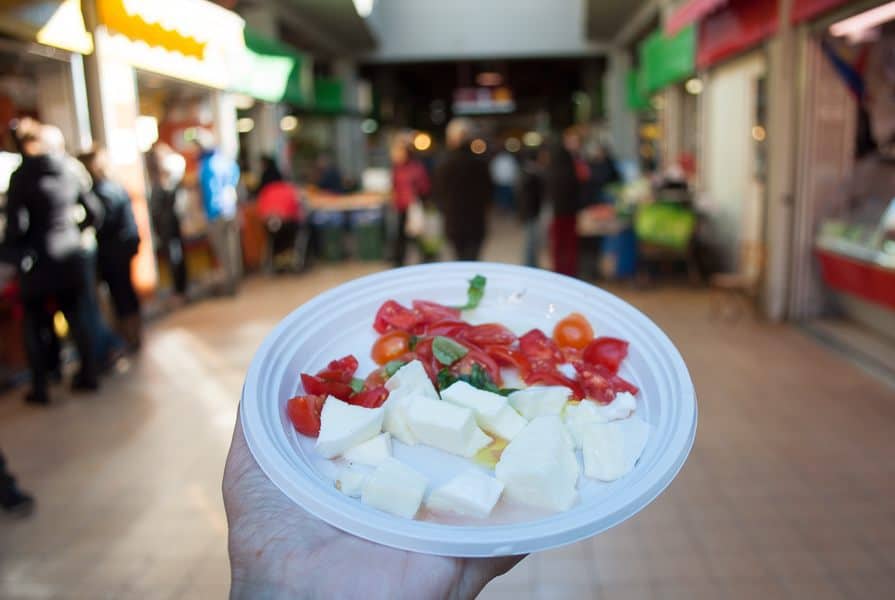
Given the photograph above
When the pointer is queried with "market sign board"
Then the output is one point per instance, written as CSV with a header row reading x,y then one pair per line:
x,y
666,60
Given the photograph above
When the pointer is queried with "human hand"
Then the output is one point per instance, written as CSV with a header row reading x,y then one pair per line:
x,y
277,550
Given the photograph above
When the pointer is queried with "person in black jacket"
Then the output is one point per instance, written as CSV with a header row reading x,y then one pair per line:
x,y
166,168
463,191
561,188
43,234
530,197
117,242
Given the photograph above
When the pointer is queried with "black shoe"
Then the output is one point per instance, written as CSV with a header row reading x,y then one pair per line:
x,y
81,384
18,504
37,399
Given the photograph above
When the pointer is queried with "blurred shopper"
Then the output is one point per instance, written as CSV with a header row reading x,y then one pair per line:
x,y
270,172
410,184
329,177
13,500
504,173
42,202
218,178
561,189
603,173
166,169
463,191
530,197
117,243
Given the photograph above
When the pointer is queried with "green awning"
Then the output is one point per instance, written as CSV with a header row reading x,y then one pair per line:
x,y
667,60
638,99
274,72
328,96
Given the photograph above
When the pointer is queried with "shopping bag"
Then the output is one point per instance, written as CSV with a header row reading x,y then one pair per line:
x,y
416,220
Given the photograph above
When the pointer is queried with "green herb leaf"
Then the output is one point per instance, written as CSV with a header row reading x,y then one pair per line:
x,y
392,367
479,378
414,340
507,391
445,379
447,351
475,293
357,384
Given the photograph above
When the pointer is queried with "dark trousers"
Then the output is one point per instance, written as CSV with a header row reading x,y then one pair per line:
x,y
401,239
117,275
173,253
564,245
72,303
7,482
467,249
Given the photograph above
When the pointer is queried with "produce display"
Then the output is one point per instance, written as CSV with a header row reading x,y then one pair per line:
x,y
532,413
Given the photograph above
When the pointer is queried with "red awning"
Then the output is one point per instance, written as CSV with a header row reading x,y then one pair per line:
x,y
803,10
690,12
737,28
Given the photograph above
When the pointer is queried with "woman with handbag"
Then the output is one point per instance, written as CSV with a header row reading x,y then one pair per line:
x,y
410,183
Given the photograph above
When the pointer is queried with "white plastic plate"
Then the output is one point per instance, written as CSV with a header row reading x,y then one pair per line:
x,y
339,322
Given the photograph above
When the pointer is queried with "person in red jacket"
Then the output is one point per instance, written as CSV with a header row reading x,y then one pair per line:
x,y
410,183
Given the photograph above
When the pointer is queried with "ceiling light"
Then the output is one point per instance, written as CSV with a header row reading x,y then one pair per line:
x,y
854,26
478,146
369,126
512,145
422,141
532,139
289,123
364,7
245,125
693,86
759,134
243,102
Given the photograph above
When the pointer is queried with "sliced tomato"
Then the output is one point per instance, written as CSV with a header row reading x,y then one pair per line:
x,y
375,379
341,370
570,355
480,357
606,351
489,334
304,413
451,329
595,382
620,384
508,357
554,378
320,387
541,352
423,352
432,312
392,315
574,331
372,398
390,346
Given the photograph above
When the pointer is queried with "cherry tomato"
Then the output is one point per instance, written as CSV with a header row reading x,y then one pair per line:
x,y
541,352
304,412
341,370
372,398
507,357
606,351
390,346
554,378
573,332
320,387
392,315
476,356
432,312
489,334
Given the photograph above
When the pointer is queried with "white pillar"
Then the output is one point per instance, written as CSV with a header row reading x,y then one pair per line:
x,y
224,109
622,121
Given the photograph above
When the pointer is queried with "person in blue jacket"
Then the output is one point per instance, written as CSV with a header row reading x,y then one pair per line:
x,y
218,178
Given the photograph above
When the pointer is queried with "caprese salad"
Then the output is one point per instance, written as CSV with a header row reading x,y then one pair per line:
x,y
522,408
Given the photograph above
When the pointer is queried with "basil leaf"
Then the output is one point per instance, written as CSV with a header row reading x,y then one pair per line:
x,y
475,293
479,378
447,351
392,367
357,384
414,340
507,391
445,379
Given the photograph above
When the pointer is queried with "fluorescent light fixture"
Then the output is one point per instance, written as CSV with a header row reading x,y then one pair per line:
x,y
245,125
853,27
364,7
289,123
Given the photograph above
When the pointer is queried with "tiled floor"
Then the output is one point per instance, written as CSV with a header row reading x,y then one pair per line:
x,y
788,492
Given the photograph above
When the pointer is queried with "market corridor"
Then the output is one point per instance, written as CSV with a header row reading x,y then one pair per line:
x,y
785,495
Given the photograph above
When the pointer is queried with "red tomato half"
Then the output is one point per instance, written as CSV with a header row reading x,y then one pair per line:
x,y
606,351
554,378
464,365
375,379
390,346
392,315
341,370
451,329
320,387
507,357
432,312
489,334
304,412
541,351
595,383
372,398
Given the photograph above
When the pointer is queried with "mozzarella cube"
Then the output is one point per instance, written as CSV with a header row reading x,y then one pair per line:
x,y
492,411
351,481
579,416
445,426
373,452
539,467
511,378
540,400
611,450
395,421
470,493
343,426
395,488
412,376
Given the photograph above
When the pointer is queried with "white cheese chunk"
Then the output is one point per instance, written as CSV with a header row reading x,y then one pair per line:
x,y
373,452
492,411
412,376
395,421
471,493
395,488
611,450
351,481
511,378
540,400
539,467
445,426
579,415
343,426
